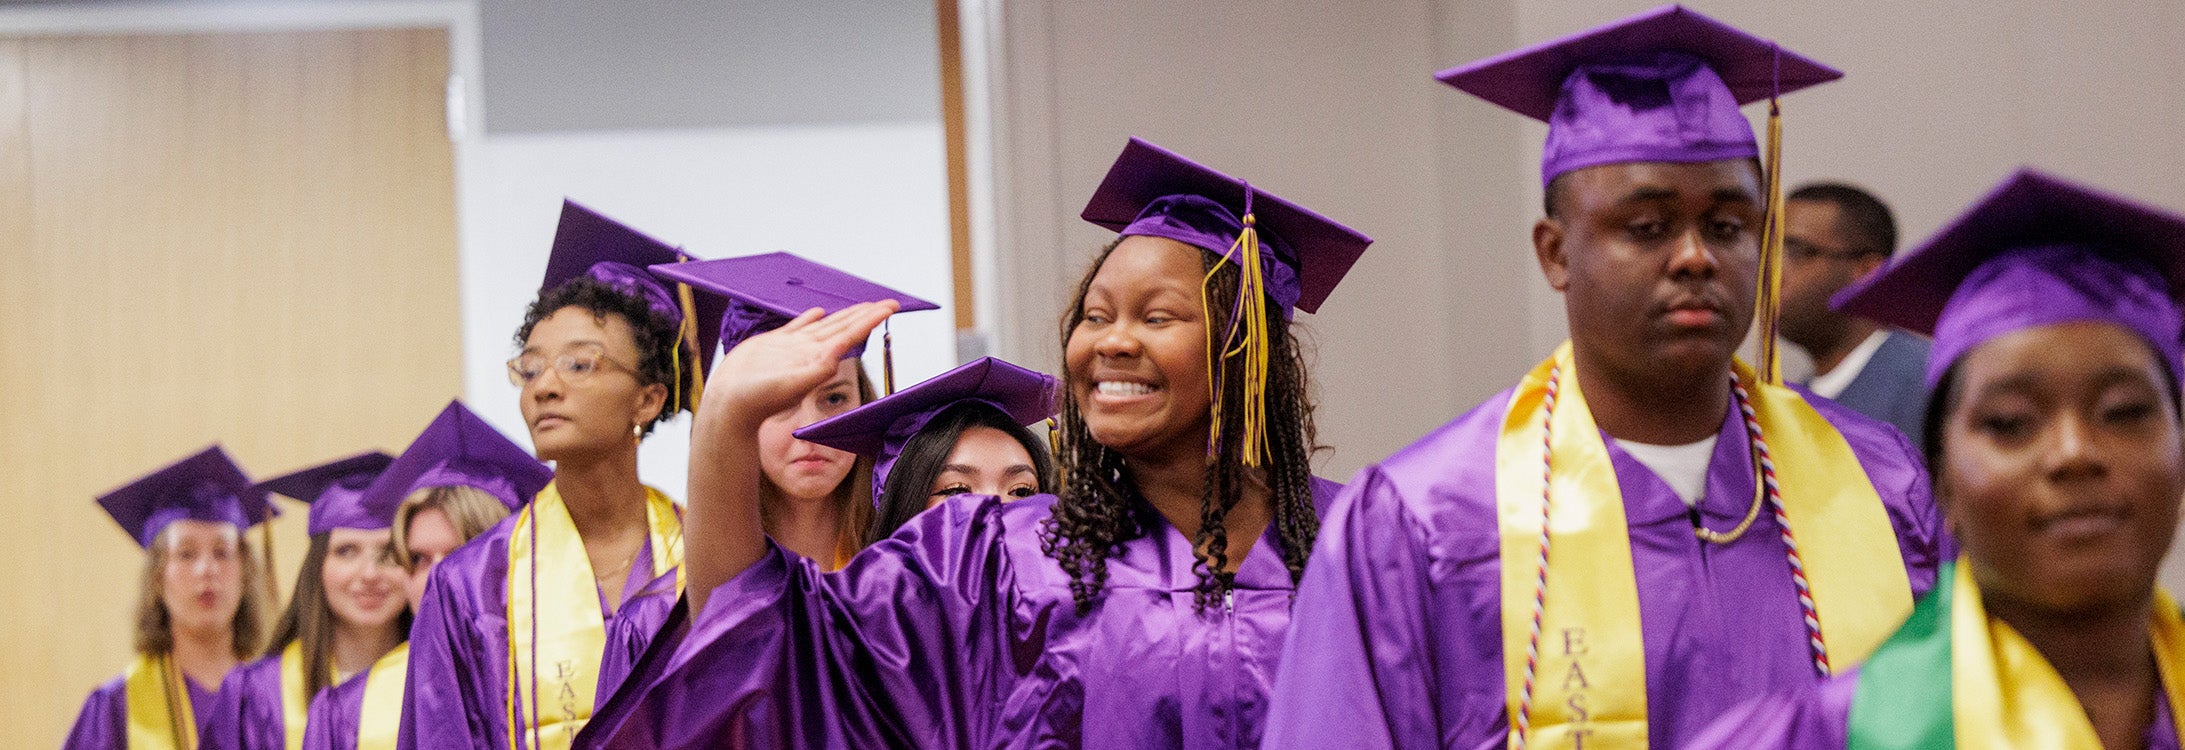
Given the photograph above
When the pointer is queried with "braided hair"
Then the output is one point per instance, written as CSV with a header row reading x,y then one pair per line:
x,y
1100,508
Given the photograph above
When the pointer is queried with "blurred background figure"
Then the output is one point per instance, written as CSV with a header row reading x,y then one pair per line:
x,y
1836,235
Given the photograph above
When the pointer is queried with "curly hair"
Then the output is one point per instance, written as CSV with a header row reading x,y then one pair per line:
x,y
653,334
1100,507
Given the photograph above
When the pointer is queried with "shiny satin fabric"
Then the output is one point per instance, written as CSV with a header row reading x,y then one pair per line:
x,y
103,723
260,706
364,713
959,632
459,643
1821,718
1397,641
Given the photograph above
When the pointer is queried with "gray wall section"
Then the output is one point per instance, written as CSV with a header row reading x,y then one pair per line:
x,y
572,65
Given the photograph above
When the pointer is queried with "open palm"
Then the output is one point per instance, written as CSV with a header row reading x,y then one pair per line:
x,y
774,370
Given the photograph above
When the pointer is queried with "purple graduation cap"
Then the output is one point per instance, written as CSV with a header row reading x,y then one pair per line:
x,y
1155,192
588,243
880,428
1661,86
458,449
763,292
207,486
335,490
2036,251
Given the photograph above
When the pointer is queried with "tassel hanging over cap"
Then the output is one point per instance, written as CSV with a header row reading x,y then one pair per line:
x,y
1245,337
1768,302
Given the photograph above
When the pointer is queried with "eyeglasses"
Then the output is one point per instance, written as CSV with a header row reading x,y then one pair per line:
x,y
1806,251
574,367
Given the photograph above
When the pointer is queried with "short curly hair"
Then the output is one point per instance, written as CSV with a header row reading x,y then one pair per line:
x,y
654,333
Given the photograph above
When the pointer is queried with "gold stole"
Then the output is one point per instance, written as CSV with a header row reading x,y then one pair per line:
x,y
158,705
1590,676
571,632
295,705
381,716
2006,695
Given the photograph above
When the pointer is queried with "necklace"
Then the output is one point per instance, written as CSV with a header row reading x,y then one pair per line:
x,y
1766,490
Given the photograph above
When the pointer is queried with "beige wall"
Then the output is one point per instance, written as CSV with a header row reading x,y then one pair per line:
x,y
245,238
1332,104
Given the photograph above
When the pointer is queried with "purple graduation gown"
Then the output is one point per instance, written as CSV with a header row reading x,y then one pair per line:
x,y
334,715
1397,641
1816,718
247,714
959,632
459,643
103,724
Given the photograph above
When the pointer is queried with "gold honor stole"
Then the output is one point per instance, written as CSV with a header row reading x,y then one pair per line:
x,y
381,717
158,705
559,602
1955,677
1590,684
295,705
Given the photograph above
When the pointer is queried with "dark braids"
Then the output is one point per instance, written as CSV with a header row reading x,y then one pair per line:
x,y
1100,507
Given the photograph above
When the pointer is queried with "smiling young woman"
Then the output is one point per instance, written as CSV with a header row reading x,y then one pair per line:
x,y
346,612
197,614
2053,432
459,478
1141,608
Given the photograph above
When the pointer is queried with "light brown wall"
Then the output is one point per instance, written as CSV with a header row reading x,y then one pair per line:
x,y
247,238
1332,104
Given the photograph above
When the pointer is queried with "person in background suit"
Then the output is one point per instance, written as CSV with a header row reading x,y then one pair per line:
x,y
1836,235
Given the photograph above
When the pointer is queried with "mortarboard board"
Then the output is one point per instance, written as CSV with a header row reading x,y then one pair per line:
x,y
334,490
207,486
1286,252
2037,250
880,428
763,292
1156,192
458,449
1661,86
587,243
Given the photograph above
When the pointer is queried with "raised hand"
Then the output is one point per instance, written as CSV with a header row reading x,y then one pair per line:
x,y
722,529
772,371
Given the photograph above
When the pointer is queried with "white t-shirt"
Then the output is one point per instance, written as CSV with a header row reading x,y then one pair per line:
x,y
1682,467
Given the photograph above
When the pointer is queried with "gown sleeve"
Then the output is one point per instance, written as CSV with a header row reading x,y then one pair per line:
x,y
99,726
1357,666
453,695
910,645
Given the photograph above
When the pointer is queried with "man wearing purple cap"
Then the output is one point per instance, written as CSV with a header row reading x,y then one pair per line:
x,y
1571,567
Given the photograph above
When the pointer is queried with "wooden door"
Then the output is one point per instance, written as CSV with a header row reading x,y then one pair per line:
x,y
246,238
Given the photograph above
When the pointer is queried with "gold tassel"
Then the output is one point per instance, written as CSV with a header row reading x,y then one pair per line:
x,y
265,534
887,355
1769,300
1252,345
687,335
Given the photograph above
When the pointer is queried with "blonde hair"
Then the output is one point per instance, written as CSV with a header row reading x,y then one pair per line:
x,y
469,509
155,627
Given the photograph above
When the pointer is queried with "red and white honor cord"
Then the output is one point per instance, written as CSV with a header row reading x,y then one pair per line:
x,y
1764,463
